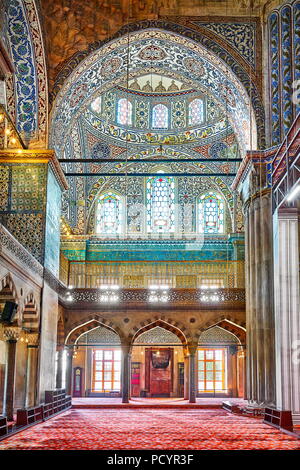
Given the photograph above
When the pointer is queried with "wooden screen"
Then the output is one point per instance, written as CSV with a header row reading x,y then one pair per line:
x,y
106,370
212,370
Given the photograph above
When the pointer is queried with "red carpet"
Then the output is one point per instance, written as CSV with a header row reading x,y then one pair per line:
x,y
151,429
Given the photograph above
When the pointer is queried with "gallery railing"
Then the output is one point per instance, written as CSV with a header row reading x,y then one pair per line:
x,y
143,274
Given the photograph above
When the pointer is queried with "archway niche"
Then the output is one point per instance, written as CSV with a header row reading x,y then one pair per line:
x,y
157,361
96,361
220,369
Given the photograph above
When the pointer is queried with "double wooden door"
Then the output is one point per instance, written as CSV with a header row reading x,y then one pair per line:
x,y
159,371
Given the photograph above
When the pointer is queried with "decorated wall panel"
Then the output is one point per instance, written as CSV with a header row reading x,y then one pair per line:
x,y
52,234
158,335
100,335
27,88
284,69
217,335
24,203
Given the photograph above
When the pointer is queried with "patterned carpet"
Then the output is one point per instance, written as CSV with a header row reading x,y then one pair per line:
x,y
150,429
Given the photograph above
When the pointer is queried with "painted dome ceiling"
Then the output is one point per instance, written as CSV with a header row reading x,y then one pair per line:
x,y
154,68
125,115
100,133
154,53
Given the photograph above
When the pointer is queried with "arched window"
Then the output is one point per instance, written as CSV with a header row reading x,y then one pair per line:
x,y
124,115
160,204
160,116
109,214
195,112
96,105
211,213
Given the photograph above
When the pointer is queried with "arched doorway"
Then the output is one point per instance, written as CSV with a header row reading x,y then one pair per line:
x,y
157,362
220,364
9,297
97,364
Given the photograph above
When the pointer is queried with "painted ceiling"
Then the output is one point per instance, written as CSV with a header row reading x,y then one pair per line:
x,y
152,51
164,60
70,27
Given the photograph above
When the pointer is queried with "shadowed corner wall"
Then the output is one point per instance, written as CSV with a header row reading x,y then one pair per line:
x,y
30,210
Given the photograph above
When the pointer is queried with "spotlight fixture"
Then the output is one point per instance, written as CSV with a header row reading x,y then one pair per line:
x,y
158,293
69,297
209,297
109,293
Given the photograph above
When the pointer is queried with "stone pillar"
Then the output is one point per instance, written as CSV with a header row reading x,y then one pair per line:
x,y
259,301
192,372
60,353
31,371
287,301
126,373
69,372
11,335
186,374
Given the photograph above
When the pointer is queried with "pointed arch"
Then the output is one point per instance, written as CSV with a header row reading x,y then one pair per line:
x,y
211,213
229,82
27,88
8,289
81,328
228,322
230,336
109,213
8,293
30,315
174,327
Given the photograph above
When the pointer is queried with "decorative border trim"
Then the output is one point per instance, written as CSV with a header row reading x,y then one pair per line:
x,y
39,156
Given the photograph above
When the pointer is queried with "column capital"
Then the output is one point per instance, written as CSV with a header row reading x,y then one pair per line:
x,y
33,340
192,348
12,333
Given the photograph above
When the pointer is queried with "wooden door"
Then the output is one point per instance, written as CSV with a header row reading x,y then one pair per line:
x,y
160,370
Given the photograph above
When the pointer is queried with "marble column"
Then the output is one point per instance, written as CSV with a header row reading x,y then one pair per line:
x,y
11,335
259,301
287,301
31,370
69,371
126,373
59,370
192,372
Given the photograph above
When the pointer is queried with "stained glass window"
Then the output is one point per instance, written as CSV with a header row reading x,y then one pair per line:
x,y
211,213
96,105
212,370
160,116
195,112
124,112
160,204
109,214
